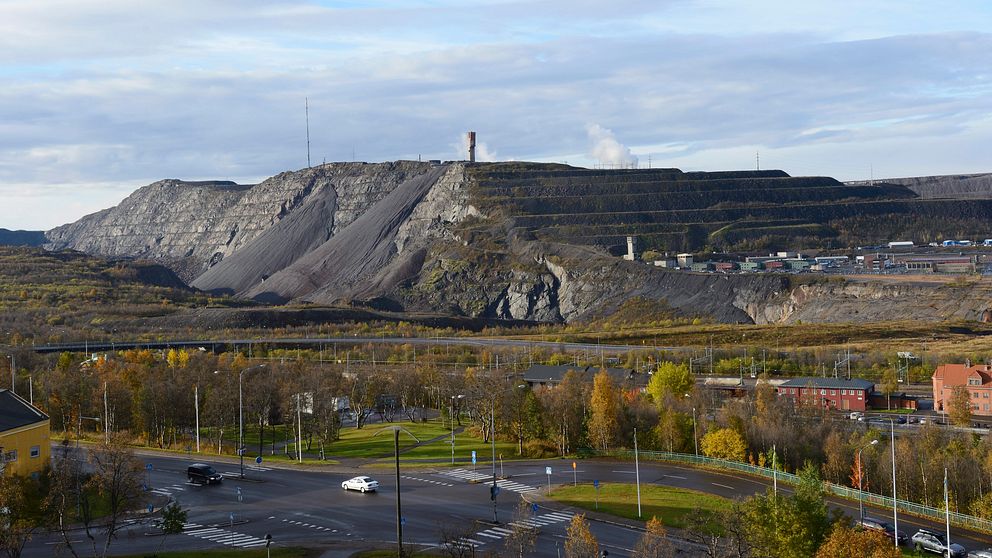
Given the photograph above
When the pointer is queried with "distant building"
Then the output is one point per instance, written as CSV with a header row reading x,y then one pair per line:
x,y
684,260
24,436
977,379
901,244
666,262
541,375
702,266
829,393
631,254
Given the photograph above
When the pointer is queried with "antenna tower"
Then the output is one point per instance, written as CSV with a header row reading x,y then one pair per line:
x,y
306,107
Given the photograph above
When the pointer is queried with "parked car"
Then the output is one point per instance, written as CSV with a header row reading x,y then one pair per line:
x,y
878,525
856,416
987,553
198,473
933,542
361,484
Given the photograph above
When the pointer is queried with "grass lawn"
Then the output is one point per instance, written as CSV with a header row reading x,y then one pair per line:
x,y
366,443
667,503
233,553
894,411
464,444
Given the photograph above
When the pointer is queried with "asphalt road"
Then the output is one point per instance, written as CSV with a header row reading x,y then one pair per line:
x,y
310,508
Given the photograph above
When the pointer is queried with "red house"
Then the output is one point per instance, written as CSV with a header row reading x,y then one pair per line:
x,y
830,393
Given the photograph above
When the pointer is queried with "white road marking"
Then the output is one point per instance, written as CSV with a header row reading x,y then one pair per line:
x,y
675,477
723,486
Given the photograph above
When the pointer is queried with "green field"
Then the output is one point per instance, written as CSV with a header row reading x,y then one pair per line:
x,y
667,503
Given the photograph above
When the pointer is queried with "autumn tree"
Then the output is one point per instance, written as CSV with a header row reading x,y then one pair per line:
x,y
566,410
724,443
845,542
604,404
959,406
522,537
20,514
654,542
117,478
791,525
670,380
579,541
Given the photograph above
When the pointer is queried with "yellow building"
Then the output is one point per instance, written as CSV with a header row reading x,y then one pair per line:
x,y
24,432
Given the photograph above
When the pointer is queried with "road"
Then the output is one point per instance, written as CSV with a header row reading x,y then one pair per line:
x,y
310,508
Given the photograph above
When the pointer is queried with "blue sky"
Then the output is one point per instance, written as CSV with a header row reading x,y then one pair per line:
x,y
99,98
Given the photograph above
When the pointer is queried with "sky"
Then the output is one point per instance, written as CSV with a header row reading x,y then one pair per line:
x,y
98,98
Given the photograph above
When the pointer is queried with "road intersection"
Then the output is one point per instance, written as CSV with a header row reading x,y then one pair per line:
x,y
307,507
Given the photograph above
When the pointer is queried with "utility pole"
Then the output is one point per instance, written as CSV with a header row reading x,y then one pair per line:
x,y
196,404
757,161
106,415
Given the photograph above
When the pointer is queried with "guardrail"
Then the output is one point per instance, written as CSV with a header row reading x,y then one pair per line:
x,y
958,519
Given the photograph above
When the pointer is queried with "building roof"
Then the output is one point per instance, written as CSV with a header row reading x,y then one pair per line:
x,y
958,374
15,412
541,373
829,383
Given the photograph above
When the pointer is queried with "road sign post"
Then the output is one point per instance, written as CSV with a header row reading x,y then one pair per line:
x,y
258,460
473,460
547,471
575,475
595,484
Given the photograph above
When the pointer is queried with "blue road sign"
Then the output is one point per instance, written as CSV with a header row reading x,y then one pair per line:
x,y
151,508
258,460
595,484
402,521
148,466
533,508
473,457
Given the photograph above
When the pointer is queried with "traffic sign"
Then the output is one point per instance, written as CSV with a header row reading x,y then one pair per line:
x,y
547,470
473,457
533,508
493,492
402,521
595,484
258,460
573,465
151,508
148,466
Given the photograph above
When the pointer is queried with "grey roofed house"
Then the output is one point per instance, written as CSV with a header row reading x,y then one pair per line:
x,y
15,412
829,383
544,375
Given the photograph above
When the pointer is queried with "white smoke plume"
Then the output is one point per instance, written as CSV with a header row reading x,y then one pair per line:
x,y
482,152
607,150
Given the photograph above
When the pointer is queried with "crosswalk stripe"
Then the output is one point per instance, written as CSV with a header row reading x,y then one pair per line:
x,y
204,530
501,530
561,516
491,536
254,544
473,541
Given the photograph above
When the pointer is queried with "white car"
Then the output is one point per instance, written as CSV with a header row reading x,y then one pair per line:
x,y
361,484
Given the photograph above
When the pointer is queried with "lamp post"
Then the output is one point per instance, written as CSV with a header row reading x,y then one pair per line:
x,y
196,404
241,417
861,503
895,501
396,453
695,438
13,368
451,414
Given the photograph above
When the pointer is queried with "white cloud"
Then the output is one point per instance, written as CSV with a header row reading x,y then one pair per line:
x,y
122,92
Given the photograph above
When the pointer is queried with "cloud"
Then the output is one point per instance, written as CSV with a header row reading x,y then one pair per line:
x,y
607,150
120,92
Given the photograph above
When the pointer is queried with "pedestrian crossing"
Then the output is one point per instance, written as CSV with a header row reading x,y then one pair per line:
x,y
480,477
247,468
167,490
439,483
494,534
222,536
310,526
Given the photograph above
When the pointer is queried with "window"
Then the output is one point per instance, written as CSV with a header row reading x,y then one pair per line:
x,y
823,392
974,395
10,456
986,407
985,394
843,392
833,392
974,381
35,451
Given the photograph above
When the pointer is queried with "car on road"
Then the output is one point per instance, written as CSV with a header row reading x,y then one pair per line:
x,y
934,542
361,484
987,553
856,416
198,473
872,524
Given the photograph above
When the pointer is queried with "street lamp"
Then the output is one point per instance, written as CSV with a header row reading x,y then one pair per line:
x,y
451,414
695,438
861,503
241,417
895,501
12,372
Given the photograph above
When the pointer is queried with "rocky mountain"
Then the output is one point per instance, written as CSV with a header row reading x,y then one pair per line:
x,y
518,241
962,186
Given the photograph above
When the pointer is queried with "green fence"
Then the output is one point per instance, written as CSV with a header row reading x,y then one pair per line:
x,y
958,519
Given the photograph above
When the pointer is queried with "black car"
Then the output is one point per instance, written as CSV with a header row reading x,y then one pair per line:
x,y
878,525
198,473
